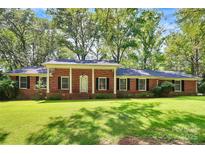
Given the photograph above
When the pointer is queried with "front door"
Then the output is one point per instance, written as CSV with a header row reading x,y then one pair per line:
x,y
83,83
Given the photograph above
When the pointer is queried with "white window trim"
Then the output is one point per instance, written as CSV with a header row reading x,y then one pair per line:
x,y
67,77
105,83
39,79
125,83
20,82
179,85
145,85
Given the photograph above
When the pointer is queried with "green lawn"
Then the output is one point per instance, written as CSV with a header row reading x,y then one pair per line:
x,y
180,119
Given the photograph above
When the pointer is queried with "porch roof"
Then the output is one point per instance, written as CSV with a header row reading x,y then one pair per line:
x,y
81,62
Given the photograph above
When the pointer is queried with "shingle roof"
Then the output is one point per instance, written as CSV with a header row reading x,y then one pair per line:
x,y
165,74
30,70
120,72
85,62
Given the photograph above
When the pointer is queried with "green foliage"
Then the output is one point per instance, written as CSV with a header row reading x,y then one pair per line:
x,y
54,97
39,93
149,37
163,89
185,49
82,33
26,40
125,95
146,94
8,89
201,87
103,96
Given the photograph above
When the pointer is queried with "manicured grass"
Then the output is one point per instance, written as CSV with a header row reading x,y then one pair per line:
x,y
103,121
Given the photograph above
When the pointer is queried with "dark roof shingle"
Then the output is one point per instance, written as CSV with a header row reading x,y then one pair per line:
x,y
86,62
30,70
165,74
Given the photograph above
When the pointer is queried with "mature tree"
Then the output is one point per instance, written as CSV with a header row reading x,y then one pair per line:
x,y
79,30
116,32
15,25
24,39
188,45
149,40
43,42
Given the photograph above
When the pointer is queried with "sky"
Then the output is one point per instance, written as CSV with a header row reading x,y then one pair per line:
x,y
168,21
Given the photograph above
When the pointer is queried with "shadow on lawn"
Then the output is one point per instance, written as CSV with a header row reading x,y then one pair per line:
x,y
3,136
130,119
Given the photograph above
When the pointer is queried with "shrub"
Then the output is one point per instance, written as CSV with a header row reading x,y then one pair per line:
x,y
164,89
146,94
39,92
201,87
8,89
103,96
125,95
54,97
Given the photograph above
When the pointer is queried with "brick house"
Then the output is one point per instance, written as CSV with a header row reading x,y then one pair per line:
x,y
72,79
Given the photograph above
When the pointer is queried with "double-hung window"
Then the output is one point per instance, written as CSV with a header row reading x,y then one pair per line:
x,y
123,84
142,84
102,83
22,82
177,86
65,82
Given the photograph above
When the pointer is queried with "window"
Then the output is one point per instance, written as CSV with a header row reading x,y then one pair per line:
x,y
102,83
65,83
142,84
43,82
177,86
123,84
23,82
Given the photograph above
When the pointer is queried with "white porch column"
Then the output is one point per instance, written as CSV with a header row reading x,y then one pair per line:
x,y
70,91
115,80
93,81
47,86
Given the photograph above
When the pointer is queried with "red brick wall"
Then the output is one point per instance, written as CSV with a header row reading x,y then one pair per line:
x,y
29,93
53,83
105,73
152,83
189,87
133,84
76,73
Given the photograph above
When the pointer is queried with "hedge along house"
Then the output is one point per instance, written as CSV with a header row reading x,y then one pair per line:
x,y
72,79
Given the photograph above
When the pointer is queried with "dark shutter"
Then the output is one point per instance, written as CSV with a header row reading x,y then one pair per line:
x,y
173,84
17,81
136,84
107,83
96,84
147,83
37,79
117,83
182,82
128,84
28,82
59,82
